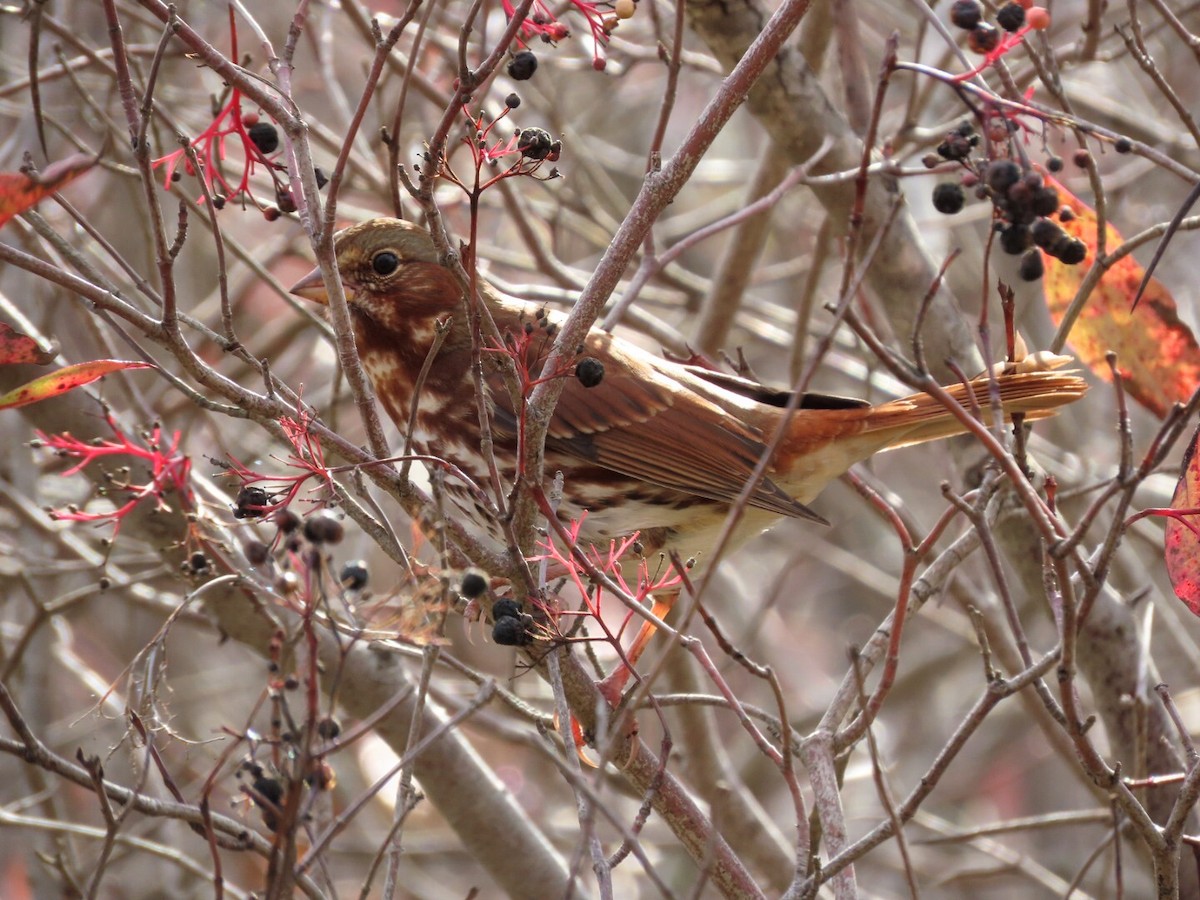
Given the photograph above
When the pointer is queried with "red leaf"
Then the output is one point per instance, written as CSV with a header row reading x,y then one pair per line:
x,y
64,380
1182,543
1157,354
19,348
18,191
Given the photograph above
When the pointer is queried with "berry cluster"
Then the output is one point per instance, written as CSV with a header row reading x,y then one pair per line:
x,y
1014,18
1025,207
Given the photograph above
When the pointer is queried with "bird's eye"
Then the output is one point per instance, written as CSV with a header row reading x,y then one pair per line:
x,y
385,262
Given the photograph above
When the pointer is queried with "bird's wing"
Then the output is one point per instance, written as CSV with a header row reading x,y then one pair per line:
x,y
643,425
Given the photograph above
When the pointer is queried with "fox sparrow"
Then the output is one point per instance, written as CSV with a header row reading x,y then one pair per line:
x,y
645,444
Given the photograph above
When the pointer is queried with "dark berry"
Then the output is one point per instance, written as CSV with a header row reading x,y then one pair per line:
x,y
354,575
1045,202
1045,233
522,66
473,584
954,148
218,201
511,632
1054,164
1015,239
1123,145
1003,174
589,371
264,136
250,502
1011,16
1031,268
1081,157
323,528
256,552
286,521
512,101
329,728
271,213
983,38
1073,253
506,608
283,199
966,14
198,562
948,198
1066,214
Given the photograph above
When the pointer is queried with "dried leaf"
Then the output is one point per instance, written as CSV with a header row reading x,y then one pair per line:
x,y
65,379
19,191
19,348
1157,353
1182,543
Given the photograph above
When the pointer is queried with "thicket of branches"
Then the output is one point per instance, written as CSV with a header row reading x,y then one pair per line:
x,y
203,702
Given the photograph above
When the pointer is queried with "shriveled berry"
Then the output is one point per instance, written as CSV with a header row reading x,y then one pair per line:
x,y
1003,174
1011,16
522,66
1032,268
506,607
512,632
323,528
264,136
473,584
966,14
250,502
535,143
955,147
983,38
353,575
948,198
1015,239
512,101
589,371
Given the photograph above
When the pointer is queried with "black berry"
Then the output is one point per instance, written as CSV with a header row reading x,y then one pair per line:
x,y
983,38
948,198
354,575
1123,145
264,136
250,502
1073,253
512,632
323,528
1003,174
1015,239
256,552
1011,16
512,101
966,14
1031,268
535,143
590,372
1046,233
1054,164
473,584
506,608
522,66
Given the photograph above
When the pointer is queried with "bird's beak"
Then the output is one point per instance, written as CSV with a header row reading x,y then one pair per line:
x,y
311,287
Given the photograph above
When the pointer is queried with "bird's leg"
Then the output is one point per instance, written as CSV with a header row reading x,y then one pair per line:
x,y
614,683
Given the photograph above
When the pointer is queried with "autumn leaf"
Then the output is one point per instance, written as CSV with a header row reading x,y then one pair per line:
x,y
1157,354
65,379
19,348
1182,542
19,191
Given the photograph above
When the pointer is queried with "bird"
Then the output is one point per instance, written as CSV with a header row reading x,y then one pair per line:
x,y
647,445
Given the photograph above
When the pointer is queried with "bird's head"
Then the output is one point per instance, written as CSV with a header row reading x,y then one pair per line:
x,y
390,271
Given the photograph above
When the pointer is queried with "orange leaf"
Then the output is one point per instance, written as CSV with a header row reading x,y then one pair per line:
x,y
18,191
19,348
1182,542
1157,354
64,380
